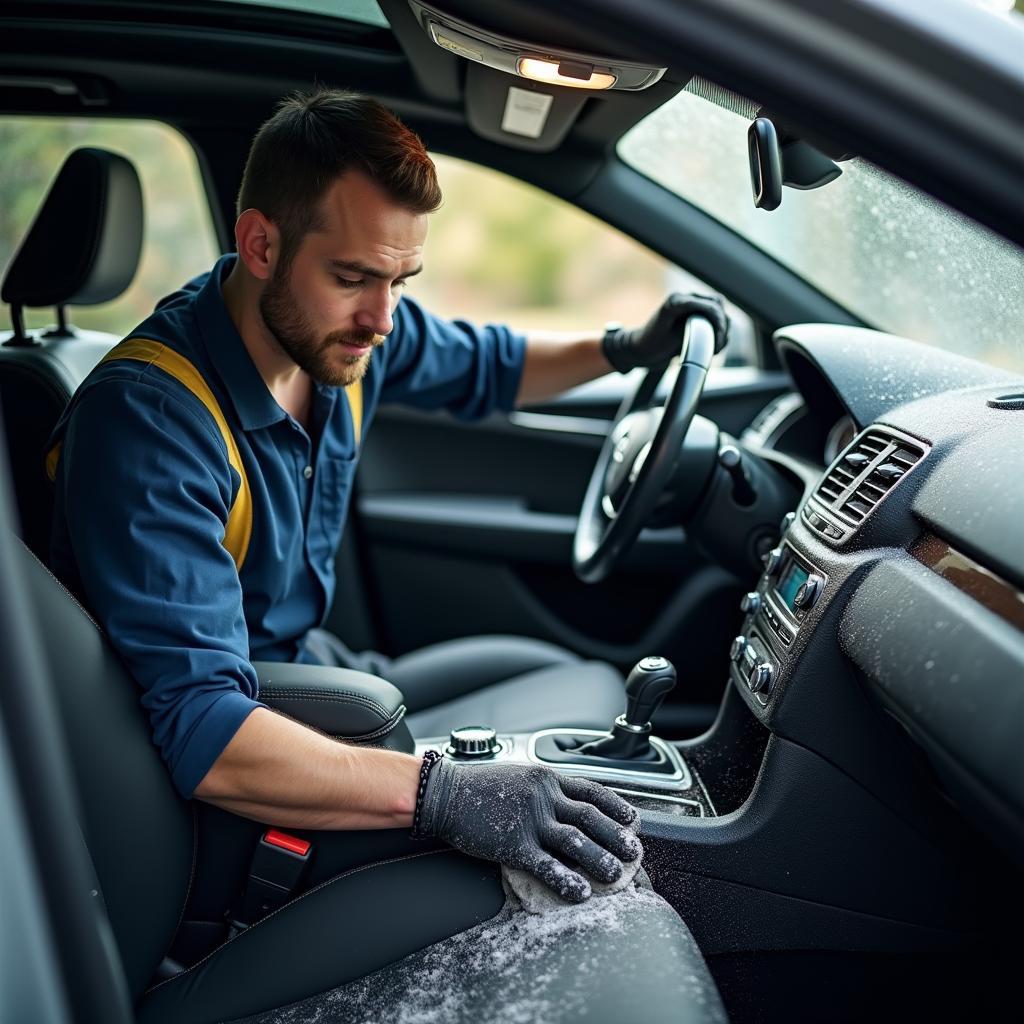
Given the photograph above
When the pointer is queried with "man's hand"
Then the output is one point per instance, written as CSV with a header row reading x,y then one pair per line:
x,y
661,337
532,818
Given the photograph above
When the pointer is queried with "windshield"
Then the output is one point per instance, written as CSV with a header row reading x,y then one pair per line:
x,y
896,258
367,12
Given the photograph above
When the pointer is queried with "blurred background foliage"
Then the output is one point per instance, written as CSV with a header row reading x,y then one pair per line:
x,y
497,250
179,239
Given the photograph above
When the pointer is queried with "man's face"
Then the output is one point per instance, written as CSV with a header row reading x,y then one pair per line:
x,y
332,306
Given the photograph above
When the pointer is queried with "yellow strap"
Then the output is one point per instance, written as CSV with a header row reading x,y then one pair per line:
x,y
238,530
354,391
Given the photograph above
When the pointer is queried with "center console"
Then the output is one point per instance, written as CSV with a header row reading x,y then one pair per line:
x,y
677,790
645,770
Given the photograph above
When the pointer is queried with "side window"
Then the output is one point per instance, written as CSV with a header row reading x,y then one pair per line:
x,y
178,240
500,250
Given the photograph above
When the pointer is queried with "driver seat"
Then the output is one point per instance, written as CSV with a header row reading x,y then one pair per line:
x,y
141,842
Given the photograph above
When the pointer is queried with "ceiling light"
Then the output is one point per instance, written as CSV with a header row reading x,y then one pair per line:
x,y
572,74
533,60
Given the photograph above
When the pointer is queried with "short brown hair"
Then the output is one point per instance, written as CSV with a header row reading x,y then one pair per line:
x,y
314,138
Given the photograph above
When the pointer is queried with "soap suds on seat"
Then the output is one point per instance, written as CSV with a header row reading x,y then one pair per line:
x,y
521,968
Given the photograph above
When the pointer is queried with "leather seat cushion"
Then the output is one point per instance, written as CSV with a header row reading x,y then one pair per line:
x,y
622,958
513,683
584,695
431,938
344,929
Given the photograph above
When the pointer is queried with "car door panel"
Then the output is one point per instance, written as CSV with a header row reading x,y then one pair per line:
x,y
467,529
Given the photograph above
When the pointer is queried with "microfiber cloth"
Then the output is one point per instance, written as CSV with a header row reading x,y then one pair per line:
x,y
536,898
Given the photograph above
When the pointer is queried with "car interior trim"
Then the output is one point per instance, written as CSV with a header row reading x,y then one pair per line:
x,y
988,589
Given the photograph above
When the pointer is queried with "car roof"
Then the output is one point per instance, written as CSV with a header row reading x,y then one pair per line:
x,y
931,94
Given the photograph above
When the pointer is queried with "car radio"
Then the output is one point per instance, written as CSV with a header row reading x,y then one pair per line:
x,y
797,586
789,588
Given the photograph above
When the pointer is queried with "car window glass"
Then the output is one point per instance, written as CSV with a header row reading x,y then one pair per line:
x,y
499,250
897,258
367,12
178,239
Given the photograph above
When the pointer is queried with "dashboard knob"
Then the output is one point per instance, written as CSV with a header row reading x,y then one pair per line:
x,y
751,602
739,645
787,521
472,741
772,560
761,678
809,592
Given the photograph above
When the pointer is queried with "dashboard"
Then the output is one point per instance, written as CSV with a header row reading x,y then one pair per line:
x,y
887,627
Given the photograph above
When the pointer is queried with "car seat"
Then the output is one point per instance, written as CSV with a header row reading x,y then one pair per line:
x,y
82,249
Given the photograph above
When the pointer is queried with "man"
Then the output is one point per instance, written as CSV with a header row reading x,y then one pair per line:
x,y
332,223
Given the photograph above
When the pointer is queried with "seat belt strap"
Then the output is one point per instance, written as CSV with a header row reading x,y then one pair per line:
x,y
238,530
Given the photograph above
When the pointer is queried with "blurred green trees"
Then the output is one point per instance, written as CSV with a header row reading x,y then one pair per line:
x,y
497,250
178,241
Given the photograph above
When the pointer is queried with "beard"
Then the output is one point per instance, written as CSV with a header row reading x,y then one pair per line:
x,y
293,331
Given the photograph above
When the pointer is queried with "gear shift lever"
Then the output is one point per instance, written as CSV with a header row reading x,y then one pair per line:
x,y
650,682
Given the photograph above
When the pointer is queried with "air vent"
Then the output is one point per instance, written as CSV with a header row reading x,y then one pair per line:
x,y
875,462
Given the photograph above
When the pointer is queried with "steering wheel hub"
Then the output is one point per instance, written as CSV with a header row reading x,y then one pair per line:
x,y
631,440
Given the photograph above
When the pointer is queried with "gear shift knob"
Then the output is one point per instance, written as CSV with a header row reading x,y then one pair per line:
x,y
649,683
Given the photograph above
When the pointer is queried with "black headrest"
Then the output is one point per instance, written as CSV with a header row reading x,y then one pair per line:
x,y
84,245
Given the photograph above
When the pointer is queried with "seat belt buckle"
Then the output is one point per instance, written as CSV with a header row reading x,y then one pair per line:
x,y
278,864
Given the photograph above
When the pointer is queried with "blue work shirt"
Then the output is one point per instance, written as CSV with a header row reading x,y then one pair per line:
x,y
143,490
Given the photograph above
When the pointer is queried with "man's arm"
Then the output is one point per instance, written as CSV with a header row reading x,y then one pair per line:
x,y
558,828
558,361
555,362
277,770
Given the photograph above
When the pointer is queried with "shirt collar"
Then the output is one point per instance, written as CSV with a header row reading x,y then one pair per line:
x,y
254,404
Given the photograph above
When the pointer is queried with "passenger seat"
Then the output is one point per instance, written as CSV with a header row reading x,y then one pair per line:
x,y
82,249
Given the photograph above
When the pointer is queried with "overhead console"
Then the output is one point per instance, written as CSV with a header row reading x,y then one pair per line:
x,y
524,93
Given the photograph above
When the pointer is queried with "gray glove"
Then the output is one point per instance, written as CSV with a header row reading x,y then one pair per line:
x,y
532,818
661,337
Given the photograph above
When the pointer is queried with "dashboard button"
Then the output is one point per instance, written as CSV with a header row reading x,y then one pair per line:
x,y
807,596
749,658
761,678
751,602
739,645
787,521
773,560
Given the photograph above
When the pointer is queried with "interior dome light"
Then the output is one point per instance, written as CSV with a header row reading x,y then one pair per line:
x,y
569,73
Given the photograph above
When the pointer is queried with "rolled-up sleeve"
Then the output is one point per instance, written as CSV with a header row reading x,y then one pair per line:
x,y
451,364
147,493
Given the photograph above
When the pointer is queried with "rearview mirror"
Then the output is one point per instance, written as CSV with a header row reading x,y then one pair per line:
x,y
765,164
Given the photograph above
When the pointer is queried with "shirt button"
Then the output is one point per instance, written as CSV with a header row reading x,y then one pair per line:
x,y
307,472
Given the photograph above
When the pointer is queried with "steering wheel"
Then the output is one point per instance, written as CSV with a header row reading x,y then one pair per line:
x,y
639,455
